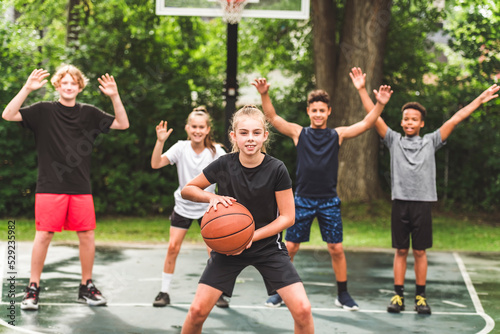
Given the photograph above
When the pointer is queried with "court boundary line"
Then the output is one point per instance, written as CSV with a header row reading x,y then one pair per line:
x,y
490,323
3,262
16,328
257,307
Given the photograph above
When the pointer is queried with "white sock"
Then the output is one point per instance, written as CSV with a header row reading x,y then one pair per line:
x,y
165,282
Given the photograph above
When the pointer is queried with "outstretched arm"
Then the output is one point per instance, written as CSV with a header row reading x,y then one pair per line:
x,y
35,81
108,87
162,134
447,128
383,96
359,80
291,130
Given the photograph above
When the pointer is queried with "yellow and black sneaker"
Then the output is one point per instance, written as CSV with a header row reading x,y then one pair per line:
x,y
421,305
397,304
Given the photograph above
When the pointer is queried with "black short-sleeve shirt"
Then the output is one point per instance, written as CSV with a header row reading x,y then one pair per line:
x,y
253,187
64,138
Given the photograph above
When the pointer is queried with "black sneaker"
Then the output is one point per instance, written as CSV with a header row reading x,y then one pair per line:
x,y
223,302
162,300
274,301
30,299
397,304
89,294
345,301
421,305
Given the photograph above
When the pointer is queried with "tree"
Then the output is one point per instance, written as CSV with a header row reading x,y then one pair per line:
x,y
157,61
78,14
361,42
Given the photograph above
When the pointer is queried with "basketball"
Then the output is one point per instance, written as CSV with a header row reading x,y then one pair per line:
x,y
227,230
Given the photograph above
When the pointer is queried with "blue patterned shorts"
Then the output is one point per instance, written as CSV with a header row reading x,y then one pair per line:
x,y
327,210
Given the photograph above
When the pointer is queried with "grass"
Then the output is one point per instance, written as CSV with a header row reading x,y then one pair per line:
x,y
365,226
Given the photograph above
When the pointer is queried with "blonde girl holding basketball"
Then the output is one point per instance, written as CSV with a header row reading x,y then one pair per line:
x,y
190,156
262,184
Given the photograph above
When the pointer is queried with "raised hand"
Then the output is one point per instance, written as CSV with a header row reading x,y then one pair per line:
x,y
383,95
489,94
37,79
108,85
358,78
161,131
261,85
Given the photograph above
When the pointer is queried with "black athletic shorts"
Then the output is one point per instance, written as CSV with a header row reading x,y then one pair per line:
x,y
411,218
176,220
276,269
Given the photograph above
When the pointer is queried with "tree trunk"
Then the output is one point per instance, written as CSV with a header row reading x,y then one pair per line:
x,y
362,44
77,9
323,18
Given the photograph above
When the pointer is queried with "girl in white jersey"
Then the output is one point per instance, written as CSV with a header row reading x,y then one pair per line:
x,y
190,156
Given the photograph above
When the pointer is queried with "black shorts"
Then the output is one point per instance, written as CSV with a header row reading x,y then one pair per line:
x,y
276,269
411,218
176,220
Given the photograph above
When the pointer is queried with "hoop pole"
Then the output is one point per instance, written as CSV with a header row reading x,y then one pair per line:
x,y
231,87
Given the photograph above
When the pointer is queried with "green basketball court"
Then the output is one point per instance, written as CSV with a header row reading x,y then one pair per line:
x,y
129,277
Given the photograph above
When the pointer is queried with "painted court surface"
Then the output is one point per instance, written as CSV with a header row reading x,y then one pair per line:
x,y
129,277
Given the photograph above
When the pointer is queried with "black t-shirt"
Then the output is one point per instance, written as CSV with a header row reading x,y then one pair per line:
x,y
64,138
253,187
317,163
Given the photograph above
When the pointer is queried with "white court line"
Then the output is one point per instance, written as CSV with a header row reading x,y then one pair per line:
x,y
17,329
454,304
386,291
490,323
318,283
254,307
3,261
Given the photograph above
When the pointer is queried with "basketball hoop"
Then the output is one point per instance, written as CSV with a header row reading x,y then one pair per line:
x,y
232,10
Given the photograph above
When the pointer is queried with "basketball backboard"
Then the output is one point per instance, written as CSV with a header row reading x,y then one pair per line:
x,y
277,9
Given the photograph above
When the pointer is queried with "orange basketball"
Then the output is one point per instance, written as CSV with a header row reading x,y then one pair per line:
x,y
227,230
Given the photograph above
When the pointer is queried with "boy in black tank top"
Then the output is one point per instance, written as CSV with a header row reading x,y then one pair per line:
x,y
316,188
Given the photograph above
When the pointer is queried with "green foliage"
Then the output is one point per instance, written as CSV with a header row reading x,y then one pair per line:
x,y
475,43
473,28
445,80
285,46
158,62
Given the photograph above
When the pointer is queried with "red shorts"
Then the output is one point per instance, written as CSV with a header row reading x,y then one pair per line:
x,y
53,212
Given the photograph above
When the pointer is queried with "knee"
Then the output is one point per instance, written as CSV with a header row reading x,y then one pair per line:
x,y
174,249
86,236
292,247
198,314
44,237
402,252
303,313
336,250
419,254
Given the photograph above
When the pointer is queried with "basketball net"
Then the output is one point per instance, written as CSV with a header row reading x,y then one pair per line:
x,y
232,10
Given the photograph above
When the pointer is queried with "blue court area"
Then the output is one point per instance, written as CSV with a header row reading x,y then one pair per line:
x,y
129,277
